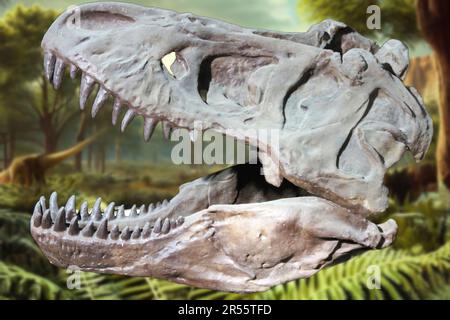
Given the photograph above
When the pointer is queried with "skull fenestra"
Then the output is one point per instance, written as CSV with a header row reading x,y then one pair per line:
x,y
338,102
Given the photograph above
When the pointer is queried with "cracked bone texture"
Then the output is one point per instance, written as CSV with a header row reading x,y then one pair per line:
x,y
343,115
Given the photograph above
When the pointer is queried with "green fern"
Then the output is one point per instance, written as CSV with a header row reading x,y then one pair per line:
x,y
17,283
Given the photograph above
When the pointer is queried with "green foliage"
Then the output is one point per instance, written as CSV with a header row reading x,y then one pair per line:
x,y
17,283
398,18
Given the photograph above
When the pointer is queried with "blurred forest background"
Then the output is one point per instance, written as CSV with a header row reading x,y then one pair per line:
x,y
37,121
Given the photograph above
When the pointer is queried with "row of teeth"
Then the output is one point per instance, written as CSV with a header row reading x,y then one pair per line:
x,y
55,67
95,223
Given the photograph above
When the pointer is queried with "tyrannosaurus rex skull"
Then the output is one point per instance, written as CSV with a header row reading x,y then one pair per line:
x,y
336,98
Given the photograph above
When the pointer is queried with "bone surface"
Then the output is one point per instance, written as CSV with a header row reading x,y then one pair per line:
x,y
336,99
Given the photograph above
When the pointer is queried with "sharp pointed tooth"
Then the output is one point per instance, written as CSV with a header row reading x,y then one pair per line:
x,y
158,204
47,219
142,210
84,211
102,231
109,212
37,215
70,208
88,229
60,222
115,233
116,111
164,203
146,232
151,207
37,208
165,226
85,89
49,65
59,72
121,212
149,127
99,102
42,202
126,233
129,115
173,224
71,205
133,211
74,228
96,213
70,214
180,220
136,233
167,129
54,205
157,226
73,71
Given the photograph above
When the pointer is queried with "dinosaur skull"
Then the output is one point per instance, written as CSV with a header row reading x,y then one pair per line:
x,y
336,98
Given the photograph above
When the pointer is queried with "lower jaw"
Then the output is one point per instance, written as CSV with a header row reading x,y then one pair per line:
x,y
238,234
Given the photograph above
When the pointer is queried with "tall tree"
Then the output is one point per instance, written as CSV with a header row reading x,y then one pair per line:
x,y
401,19
24,88
434,22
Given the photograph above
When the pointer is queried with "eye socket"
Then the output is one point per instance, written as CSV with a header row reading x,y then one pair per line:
x,y
97,20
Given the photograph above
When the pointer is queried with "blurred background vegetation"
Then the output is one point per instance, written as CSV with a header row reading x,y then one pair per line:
x,y
37,120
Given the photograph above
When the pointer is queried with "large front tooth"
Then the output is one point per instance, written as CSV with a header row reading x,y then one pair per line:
x,y
74,228
96,213
149,127
59,72
126,233
129,115
49,65
42,202
102,231
101,98
116,111
167,129
73,71
109,211
166,226
88,229
47,219
60,221
37,215
54,205
87,82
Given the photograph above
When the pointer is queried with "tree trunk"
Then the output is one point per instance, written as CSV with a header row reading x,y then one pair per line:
x,y
49,134
434,21
79,138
